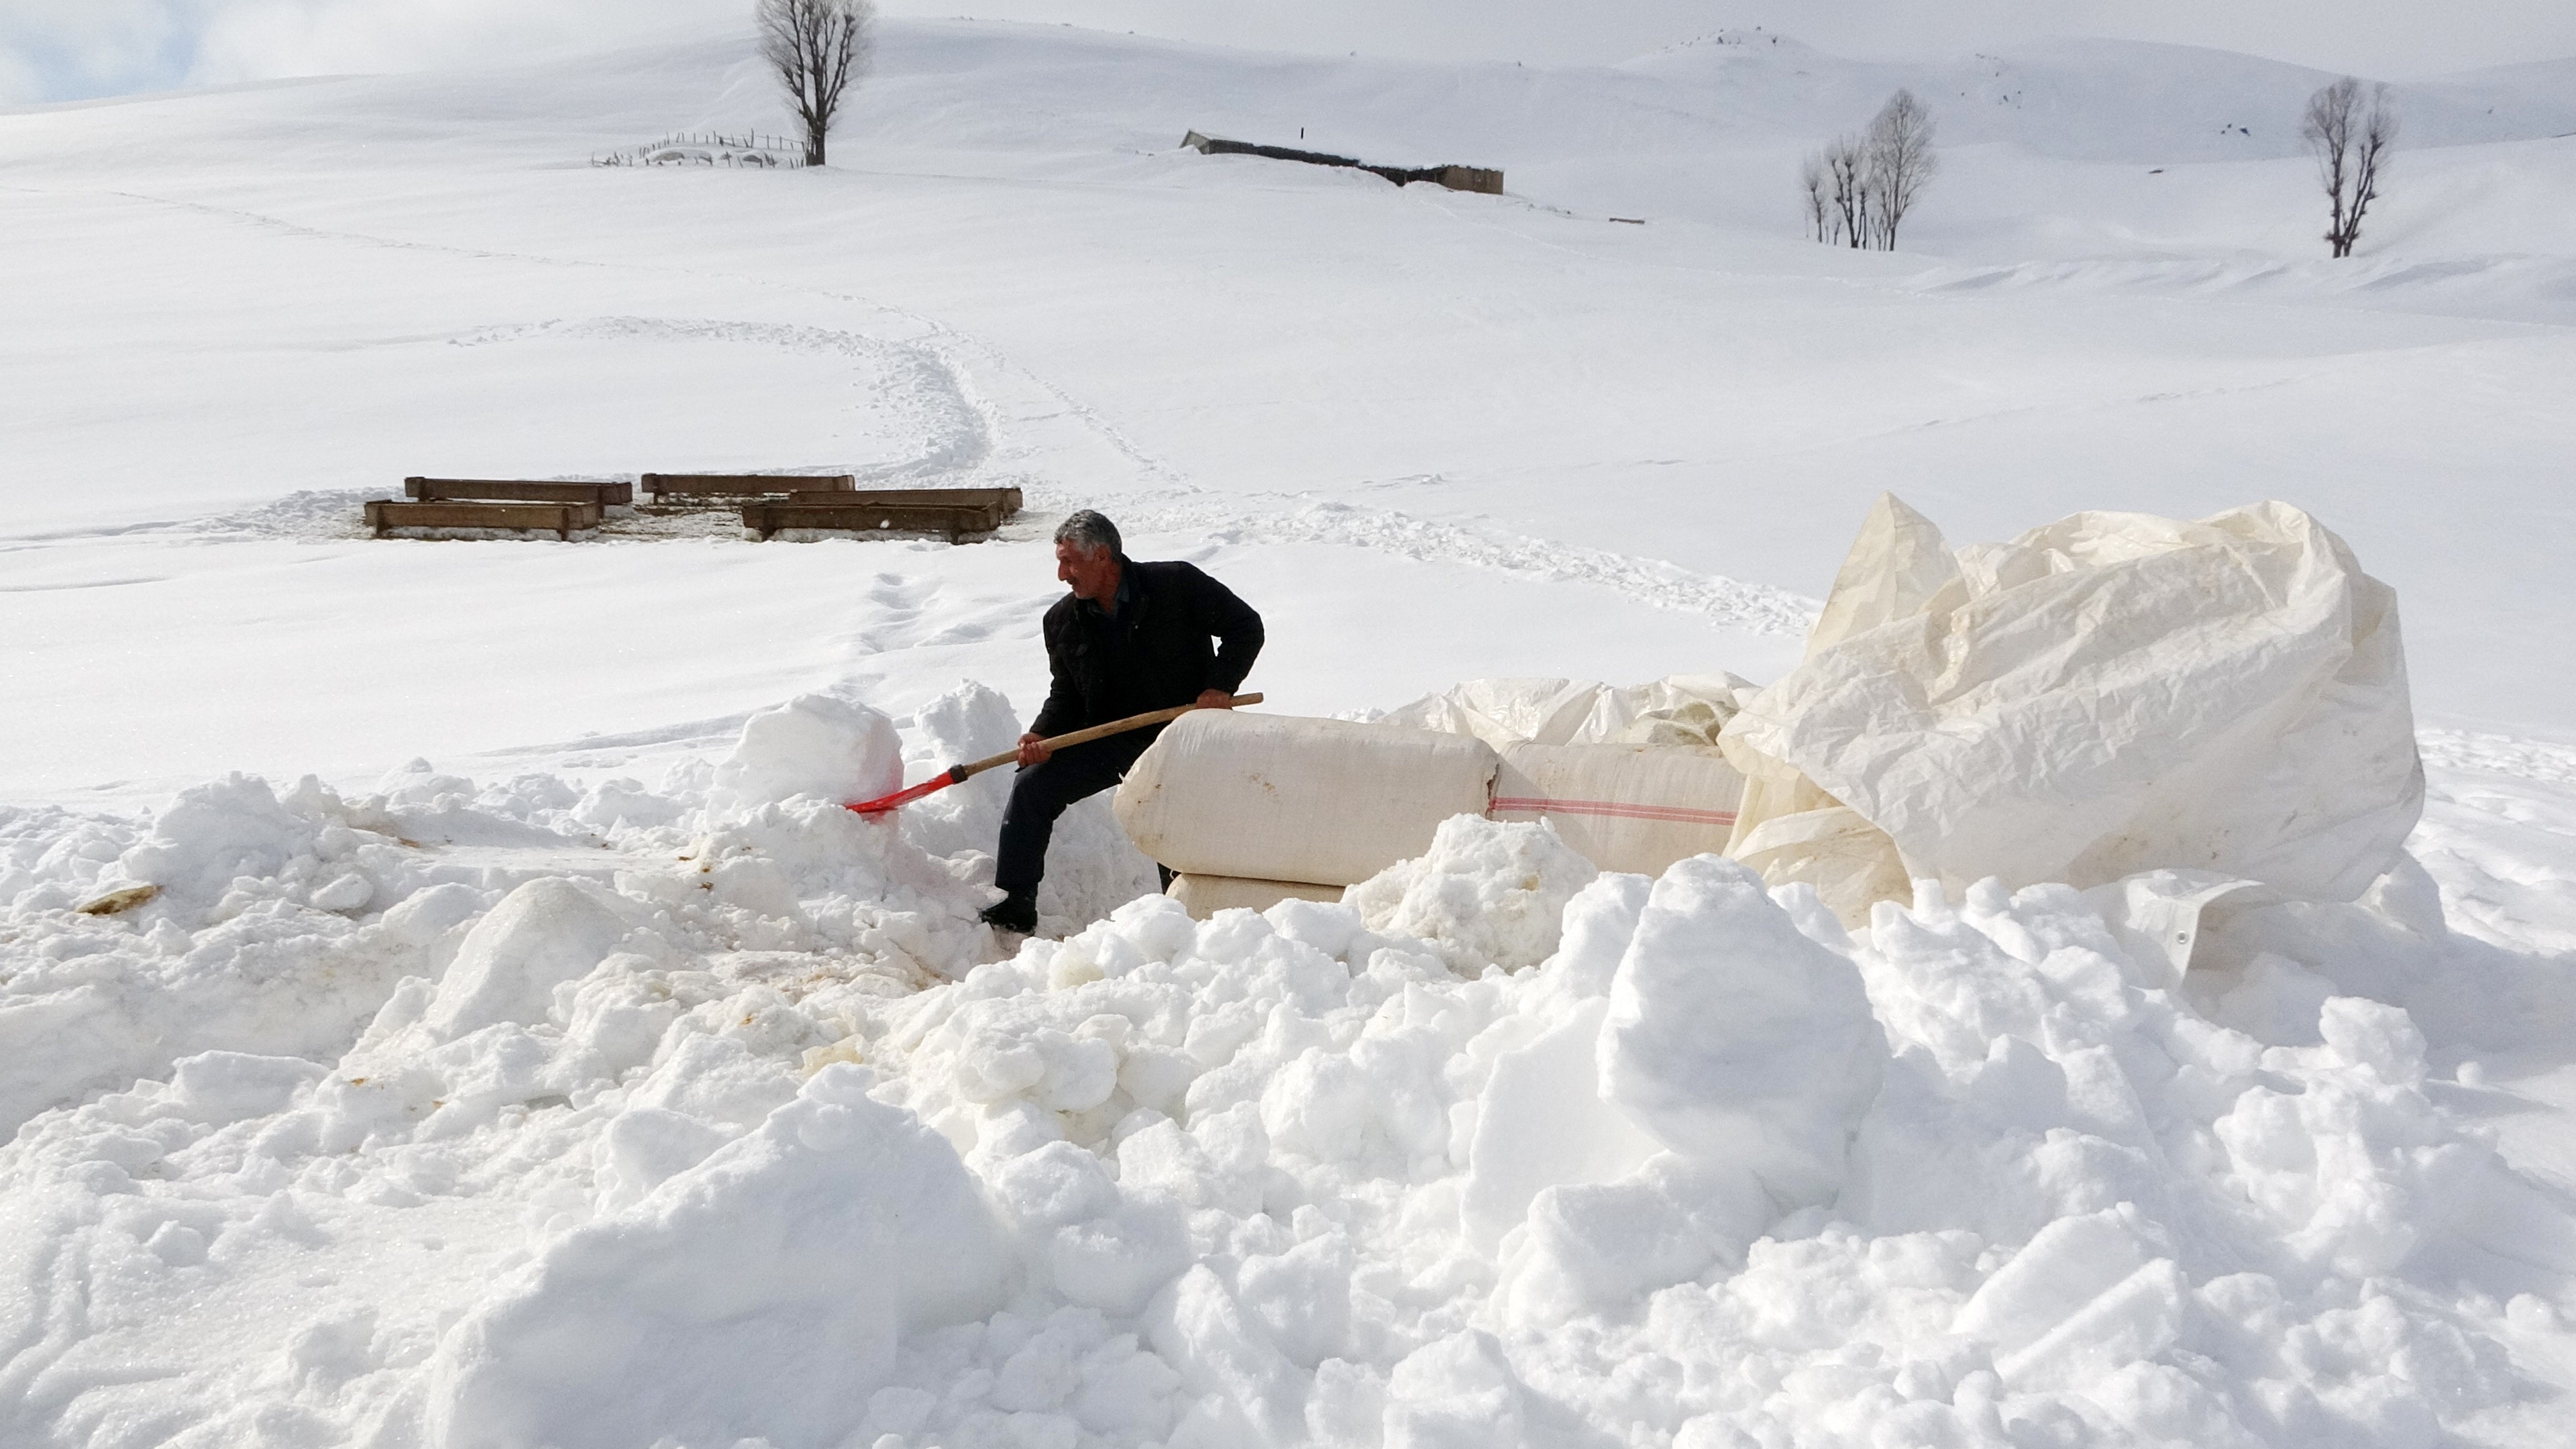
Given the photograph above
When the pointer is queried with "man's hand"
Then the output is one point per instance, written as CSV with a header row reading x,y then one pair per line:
x,y
1033,751
1215,699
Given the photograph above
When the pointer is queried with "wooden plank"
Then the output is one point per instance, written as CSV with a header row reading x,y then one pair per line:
x,y
556,518
738,485
1005,499
934,518
955,520
520,490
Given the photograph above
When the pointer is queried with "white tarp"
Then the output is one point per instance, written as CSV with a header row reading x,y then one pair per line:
x,y
1283,798
2111,694
1686,709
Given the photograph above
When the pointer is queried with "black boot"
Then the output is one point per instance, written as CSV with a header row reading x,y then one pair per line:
x,y
1015,911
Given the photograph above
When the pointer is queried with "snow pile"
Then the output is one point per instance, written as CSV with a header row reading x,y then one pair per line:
x,y
966,724
816,745
251,937
1345,1194
735,1134
1737,1041
281,924
1488,892
766,1293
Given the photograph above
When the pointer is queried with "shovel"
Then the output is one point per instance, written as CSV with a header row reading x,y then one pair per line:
x,y
960,774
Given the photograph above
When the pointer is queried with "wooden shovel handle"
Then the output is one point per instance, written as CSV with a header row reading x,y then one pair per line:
x,y
1095,732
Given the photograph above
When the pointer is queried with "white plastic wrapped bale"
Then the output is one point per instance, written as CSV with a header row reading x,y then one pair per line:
x,y
1684,709
2110,694
1632,808
1277,797
1205,895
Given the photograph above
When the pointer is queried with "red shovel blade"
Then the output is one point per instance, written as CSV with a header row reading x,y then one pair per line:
x,y
906,796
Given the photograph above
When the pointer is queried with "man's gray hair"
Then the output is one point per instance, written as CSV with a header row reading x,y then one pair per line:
x,y
1089,532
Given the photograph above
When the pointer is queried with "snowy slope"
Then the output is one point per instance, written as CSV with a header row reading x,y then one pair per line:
x,y
1009,215
373,1130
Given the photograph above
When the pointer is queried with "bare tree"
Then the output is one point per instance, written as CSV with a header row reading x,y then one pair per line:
x,y
1847,171
817,47
1813,176
2349,130
1897,163
1859,188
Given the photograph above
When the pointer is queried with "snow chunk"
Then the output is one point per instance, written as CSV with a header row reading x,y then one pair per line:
x,y
1599,923
430,914
216,1088
1197,1326
763,1292
1488,892
1733,1037
971,722
217,833
1541,1122
543,934
2066,1266
815,744
1457,1393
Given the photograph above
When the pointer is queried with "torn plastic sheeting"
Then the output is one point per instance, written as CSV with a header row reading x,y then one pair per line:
x,y
2110,694
2158,915
1684,709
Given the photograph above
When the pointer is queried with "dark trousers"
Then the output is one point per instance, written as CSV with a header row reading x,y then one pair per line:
x,y
1038,796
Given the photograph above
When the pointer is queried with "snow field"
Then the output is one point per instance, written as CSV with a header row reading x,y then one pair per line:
x,y
600,1087
737,1133
1011,257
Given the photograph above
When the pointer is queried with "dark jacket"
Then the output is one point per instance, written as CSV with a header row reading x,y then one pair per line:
x,y
1154,654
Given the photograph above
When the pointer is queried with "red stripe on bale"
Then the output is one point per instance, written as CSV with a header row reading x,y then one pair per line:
x,y
1617,809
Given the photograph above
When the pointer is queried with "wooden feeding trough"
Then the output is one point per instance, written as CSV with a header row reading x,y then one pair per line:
x,y
769,502
693,487
515,490
533,505
956,512
560,519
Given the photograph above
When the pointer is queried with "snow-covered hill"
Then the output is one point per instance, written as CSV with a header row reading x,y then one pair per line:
x,y
326,286
1311,1184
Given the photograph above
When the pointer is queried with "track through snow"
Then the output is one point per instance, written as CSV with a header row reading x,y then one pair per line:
x,y
911,374
915,379
1649,581
952,436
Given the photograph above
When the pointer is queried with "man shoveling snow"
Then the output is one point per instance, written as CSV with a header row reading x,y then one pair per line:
x,y
1129,638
